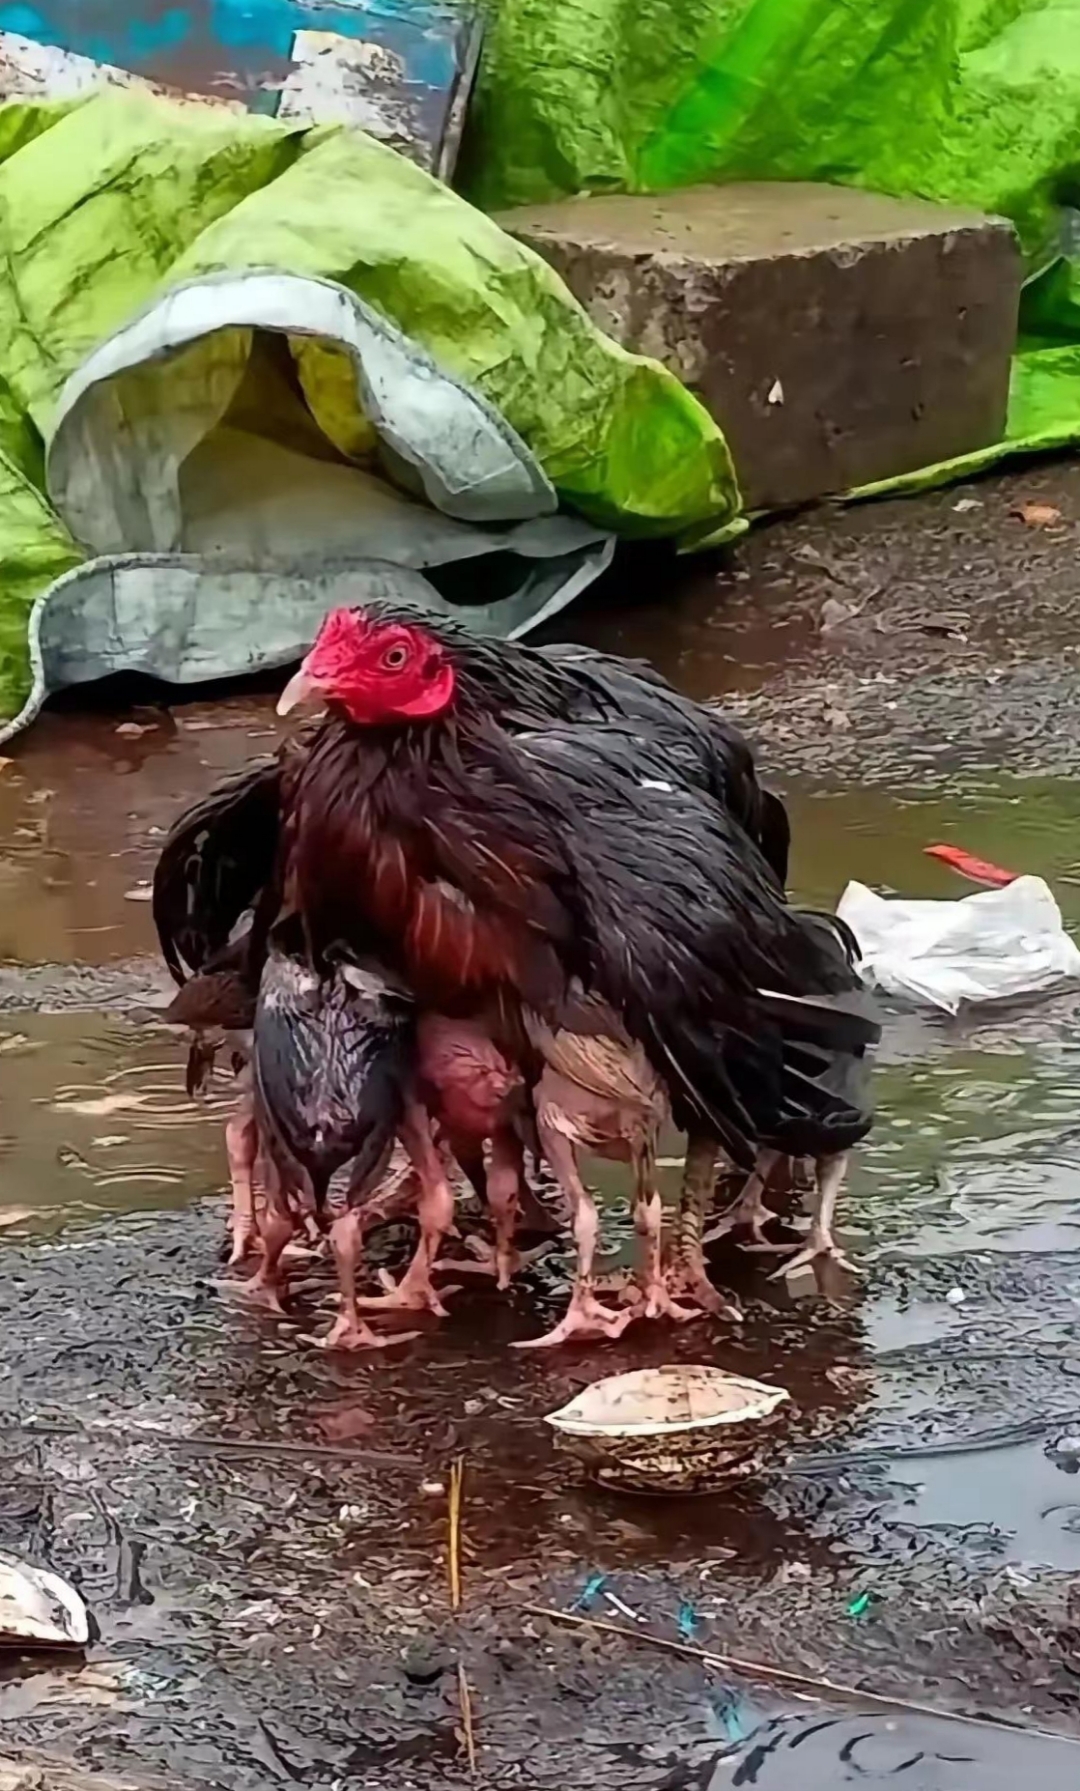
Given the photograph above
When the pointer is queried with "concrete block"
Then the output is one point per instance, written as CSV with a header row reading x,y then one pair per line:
x,y
837,337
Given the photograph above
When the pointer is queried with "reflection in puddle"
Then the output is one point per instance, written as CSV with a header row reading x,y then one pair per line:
x,y
916,1753
1035,1500
97,1121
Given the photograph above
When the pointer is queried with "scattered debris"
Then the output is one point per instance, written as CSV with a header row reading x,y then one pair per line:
x,y
993,946
684,1428
134,730
465,1701
806,1683
623,1609
955,1296
775,393
1037,516
968,503
38,1609
835,613
976,870
594,1584
947,624
141,892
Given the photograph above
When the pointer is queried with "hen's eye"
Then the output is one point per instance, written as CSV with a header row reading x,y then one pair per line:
x,y
395,658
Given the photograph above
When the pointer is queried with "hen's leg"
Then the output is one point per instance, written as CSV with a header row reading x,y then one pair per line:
x,y
649,1223
585,1318
820,1243
416,1291
349,1330
242,1147
749,1209
688,1275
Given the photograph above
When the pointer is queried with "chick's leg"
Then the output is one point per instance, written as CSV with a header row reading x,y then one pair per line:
x,y
586,1318
504,1175
820,1243
416,1291
506,1195
267,1284
687,1277
349,1330
242,1146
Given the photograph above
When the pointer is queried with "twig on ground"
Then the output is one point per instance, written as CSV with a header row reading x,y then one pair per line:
x,y
453,1521
465,1700
818,1688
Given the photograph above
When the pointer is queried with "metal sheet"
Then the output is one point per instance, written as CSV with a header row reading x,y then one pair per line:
x,y
400,69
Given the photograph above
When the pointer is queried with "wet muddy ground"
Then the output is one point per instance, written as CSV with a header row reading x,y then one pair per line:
x,y
261,1529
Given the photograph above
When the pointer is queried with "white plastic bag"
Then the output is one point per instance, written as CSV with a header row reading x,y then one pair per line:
x,y
993,946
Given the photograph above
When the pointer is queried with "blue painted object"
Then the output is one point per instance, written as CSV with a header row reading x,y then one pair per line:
x,y
243,50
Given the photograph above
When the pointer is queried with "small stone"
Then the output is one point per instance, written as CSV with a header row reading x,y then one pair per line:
x,y
422,1666
432,1489
955,1296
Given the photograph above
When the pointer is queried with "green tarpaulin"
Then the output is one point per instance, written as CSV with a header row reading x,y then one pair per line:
x,y
109,205
973,102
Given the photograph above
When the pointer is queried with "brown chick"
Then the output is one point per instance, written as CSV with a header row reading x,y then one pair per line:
x,y
598,1092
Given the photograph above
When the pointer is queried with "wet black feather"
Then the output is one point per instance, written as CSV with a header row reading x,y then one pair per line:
x,y
217,858
333,1056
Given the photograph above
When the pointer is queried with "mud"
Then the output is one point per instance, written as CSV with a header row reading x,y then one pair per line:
x,y
261,1529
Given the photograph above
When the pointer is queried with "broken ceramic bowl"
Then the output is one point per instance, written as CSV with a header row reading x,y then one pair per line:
x,y
683,1429
38,1609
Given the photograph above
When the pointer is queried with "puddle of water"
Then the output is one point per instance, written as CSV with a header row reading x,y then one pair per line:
x,y
81,812
1037,1500
823,1752
95,1121
878,836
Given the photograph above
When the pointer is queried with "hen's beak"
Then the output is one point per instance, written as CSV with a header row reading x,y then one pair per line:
x,y
301,688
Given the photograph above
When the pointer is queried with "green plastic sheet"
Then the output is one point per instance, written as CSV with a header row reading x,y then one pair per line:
x,y
973,102
107,203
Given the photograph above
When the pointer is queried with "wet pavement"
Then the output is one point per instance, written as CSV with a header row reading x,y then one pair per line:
x,y
261,1529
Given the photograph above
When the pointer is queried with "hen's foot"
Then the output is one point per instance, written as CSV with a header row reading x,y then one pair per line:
x,y
485,1258
586,1321
350,1332
820,1246
415,1292
656,1299
688,1282
264,1295
748,1214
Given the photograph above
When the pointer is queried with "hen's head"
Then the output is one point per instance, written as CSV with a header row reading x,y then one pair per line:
x,y
377,670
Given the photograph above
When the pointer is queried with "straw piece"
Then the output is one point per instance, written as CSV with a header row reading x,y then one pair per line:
x,y
453,1519
820,1688
465,1700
